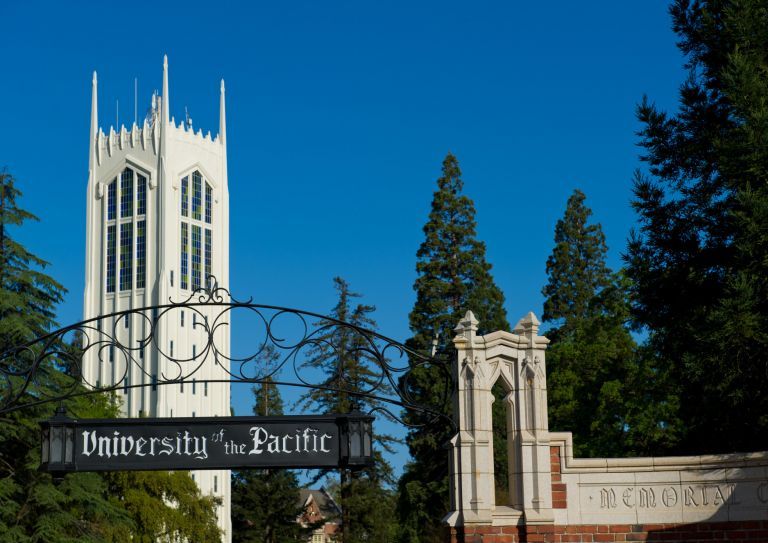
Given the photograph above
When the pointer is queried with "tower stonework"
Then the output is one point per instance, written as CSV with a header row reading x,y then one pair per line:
x,y
157,229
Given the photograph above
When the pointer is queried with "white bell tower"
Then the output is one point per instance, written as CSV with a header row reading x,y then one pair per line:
x,y
157,228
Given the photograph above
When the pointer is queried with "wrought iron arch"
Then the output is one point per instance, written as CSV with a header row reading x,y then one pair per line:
x,y
291,333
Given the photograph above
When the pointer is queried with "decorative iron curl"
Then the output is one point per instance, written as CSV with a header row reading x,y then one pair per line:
x,y
290,347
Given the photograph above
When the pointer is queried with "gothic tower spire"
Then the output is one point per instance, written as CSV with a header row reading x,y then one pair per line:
x,y
166,97
222,117
94,123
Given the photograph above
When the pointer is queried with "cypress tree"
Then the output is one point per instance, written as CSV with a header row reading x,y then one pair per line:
x,y
698,260
453,276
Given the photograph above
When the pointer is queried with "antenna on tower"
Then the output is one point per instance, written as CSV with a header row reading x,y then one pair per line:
x,y
187,119
136,101
117,114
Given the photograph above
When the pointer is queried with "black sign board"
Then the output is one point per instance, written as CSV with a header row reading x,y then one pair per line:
x,y
206,443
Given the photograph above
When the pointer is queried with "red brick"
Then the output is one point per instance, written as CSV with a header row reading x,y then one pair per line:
x,y
604,537
637,536
487,530
620,528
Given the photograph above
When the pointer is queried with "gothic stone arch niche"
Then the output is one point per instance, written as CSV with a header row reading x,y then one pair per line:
x,y
506,461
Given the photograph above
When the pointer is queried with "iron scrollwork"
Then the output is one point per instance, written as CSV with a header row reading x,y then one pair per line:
x,y
284,341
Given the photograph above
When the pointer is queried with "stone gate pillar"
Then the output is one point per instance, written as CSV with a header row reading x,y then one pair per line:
x,y
517,360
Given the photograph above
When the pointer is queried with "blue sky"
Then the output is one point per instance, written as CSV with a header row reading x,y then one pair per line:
x,y
339,115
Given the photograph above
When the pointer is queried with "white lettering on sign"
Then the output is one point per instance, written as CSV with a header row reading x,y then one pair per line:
x,y
107,446
307,440
281,442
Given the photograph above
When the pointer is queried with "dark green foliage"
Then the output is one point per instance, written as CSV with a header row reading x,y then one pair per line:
x,y
576,268
342,358
265,503
28,296
598,380
370,503
32,508
452,277
500,444
698,262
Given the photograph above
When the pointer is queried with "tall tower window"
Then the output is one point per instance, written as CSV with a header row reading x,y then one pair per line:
x,y
197,205
126,255
196,250
111,257
184,255
130,248
126,193
184,196
111,196
208,203
141,195
208,248
141,253
197,193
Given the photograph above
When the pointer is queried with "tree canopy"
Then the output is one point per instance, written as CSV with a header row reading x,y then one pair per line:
x,y
697,262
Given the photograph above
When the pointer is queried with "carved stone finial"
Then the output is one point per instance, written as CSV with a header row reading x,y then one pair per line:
x,y
529,324
467,327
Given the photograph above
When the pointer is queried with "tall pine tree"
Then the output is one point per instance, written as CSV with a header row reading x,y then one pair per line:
x,y
342,357
32,508
596,383
453,276
265,503
698,261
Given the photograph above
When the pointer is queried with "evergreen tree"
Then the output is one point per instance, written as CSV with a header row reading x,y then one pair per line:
x,y
265,502
597,378
698,261
576,269
342,356
32,508
28,296
453,276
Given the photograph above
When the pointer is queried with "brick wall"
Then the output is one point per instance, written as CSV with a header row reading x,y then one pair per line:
x,y
559,489
705,532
